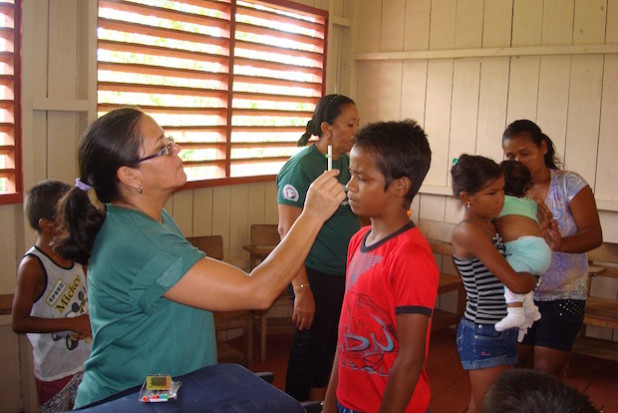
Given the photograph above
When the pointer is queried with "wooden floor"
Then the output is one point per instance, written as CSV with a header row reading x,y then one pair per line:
x,y
449,386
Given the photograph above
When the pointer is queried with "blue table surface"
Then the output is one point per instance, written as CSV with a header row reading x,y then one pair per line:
x,y
220,388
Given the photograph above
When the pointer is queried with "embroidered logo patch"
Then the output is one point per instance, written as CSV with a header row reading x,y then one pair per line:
x,y
290,193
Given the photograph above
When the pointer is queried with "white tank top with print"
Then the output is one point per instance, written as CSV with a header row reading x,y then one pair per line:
x,y
59,354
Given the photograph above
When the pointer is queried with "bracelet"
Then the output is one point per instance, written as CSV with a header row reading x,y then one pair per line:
x,y
299,286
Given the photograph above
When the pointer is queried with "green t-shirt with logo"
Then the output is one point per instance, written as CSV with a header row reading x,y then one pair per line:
x,y
329,251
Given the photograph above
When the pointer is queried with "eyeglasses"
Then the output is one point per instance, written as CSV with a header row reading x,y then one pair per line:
x,y
167,150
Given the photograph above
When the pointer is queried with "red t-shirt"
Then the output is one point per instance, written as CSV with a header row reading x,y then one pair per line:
x,y
394,276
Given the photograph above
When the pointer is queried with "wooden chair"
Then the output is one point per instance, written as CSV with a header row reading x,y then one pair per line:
x,y
439,236
6,303
264,238
601,311
212,245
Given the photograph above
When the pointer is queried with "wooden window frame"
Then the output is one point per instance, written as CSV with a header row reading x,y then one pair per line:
x,y
226,144
13,150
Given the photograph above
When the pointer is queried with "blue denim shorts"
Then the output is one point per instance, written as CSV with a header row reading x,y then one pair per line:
x,y
480,346
342,409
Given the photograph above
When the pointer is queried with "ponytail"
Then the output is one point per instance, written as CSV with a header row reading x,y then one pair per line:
x,y
304,138
79,222
110,142
550,158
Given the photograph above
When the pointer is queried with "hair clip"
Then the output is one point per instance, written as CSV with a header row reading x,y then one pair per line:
x,y
455,160
81,185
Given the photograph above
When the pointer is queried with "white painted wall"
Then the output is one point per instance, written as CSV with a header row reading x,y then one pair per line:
x,y
464,69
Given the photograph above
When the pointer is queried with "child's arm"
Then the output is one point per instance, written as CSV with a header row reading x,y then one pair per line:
x,y
470,240
330,400
411,334
30,285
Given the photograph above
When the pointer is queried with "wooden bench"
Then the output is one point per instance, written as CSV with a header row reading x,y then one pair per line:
x,y
212,245
264,238
600,311
6,303
439,236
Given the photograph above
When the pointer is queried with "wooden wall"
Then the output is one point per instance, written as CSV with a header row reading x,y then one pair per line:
x,y
466,68
462,68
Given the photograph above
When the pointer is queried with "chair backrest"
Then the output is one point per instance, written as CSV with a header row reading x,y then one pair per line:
x,y
606,256
212,245
436,230
264,235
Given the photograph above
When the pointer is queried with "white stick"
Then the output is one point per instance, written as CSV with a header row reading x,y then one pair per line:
x,y
329,156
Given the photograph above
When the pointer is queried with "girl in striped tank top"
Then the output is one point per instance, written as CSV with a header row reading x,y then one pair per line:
x,y
479,255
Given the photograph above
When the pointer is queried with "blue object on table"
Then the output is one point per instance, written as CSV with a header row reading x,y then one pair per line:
x,y
220,388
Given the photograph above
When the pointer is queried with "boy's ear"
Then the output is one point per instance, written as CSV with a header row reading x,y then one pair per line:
x,y
402,185
46,225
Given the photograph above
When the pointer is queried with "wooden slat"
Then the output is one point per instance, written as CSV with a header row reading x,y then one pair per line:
x,y
442,319
275,97
596,347
606,252
177,110
281,18
161,89
271,81
439,235
288,67
6,303
315,56
273,113
280,34
170,14
152,70
164,51
601,312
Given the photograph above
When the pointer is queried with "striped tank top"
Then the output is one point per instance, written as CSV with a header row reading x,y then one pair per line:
x,y
484,292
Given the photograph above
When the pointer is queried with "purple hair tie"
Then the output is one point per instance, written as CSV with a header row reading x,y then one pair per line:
x,y
81,185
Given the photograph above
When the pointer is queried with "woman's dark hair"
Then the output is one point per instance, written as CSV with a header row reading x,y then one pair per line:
x,y
517,178
111,141
471,173
525,126
400,149
41,201
327,110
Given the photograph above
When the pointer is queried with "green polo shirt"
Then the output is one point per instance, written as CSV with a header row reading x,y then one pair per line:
x,y
329,251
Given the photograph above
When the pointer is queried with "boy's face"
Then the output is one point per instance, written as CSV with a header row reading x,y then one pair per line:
x,y
366,194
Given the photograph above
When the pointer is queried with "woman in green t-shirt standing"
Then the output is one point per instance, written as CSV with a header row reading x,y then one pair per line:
x,y
319,286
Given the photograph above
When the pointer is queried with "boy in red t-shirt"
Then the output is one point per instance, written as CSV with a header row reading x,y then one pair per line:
x,y
391,280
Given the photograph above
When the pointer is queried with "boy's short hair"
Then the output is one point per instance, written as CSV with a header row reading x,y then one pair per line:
x,y
401,149
517,178
41,201
529,391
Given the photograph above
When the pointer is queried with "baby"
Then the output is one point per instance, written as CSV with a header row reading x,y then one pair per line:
x,y
526,249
